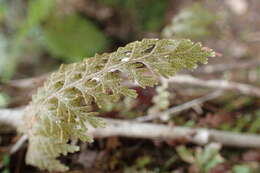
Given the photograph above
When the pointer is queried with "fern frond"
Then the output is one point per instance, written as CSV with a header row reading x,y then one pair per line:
x,y
192,22
59,111
161,100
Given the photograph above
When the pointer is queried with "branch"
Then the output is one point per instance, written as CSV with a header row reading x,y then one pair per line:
x,y
132,129
21,90
217,84
18,144
199,136
12,117
165,115
26,83
219,68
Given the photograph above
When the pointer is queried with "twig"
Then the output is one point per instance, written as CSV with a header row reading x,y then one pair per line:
x,y
199,136
165,115
134,129
18,144
253,37
218,68
26,83
11,117
217,84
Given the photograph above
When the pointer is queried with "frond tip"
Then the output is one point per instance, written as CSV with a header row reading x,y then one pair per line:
x,y
62,108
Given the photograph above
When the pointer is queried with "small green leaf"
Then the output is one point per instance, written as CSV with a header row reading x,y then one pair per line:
x,y
6,159
209,157
213,162
4,99
241,169
185,154
142,162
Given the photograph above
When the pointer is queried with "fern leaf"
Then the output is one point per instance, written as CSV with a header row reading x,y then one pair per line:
x,y
193,22
59,111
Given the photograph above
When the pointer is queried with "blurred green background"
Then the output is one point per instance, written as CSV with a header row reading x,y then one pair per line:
x,y
37,35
